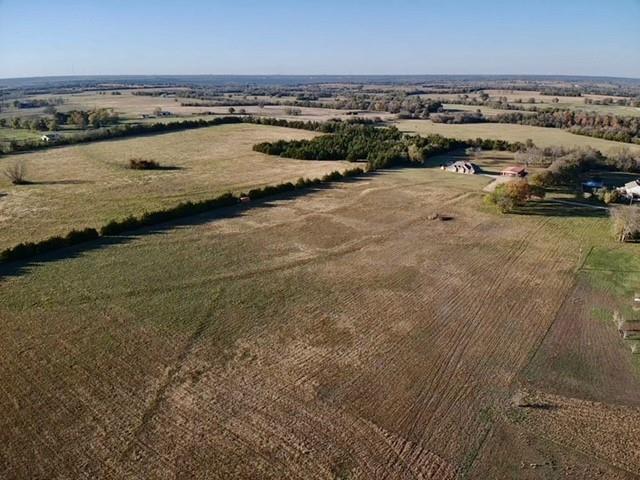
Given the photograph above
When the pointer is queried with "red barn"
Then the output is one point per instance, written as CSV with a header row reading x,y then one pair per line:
x,y
514,172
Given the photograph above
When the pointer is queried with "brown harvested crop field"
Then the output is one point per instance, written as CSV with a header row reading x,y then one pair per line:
x,y
88,185
340,334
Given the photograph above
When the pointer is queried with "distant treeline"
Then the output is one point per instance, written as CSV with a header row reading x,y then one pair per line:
x,y
27,250
568,166
623,102
35,103
609,127
458,117
118,131
129,130
96,118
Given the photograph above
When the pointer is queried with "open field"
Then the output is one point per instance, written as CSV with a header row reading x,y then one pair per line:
x,y
574,103
542,137
473,108
88,185
340,334
8,134
131,107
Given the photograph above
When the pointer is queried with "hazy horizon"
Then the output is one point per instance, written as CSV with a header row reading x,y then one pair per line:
x,y
321,38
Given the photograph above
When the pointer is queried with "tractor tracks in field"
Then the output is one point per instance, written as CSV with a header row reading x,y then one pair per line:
x,y
166,384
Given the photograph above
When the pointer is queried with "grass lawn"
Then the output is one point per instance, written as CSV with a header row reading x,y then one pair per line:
x,y
8,134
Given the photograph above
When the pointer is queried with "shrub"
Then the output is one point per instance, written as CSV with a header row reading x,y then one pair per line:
x,y
542,179
142,164
611,196
507,196
626,223
17,173
29,249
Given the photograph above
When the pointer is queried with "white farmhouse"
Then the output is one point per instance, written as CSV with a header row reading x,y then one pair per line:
x,y
50,137
632,189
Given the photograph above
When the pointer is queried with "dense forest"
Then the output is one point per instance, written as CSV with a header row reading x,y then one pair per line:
x,y
379,147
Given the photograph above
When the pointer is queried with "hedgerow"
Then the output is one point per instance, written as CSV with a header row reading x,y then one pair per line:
x,y
28,250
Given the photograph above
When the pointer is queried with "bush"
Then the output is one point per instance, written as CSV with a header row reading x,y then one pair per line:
x,y
142,164
507,196
542,179
611,196
607,196
30,249
626,223
17,173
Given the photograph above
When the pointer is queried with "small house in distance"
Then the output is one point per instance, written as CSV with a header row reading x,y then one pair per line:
x,y
461,167
515,171
632,189
50,137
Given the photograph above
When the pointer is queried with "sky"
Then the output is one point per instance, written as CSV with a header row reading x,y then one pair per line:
x,y
311,37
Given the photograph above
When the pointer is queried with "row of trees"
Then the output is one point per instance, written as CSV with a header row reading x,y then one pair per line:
x,y
458,117
621,101
96,118
623,159
37,124
117,131
610,127
28,250
36,103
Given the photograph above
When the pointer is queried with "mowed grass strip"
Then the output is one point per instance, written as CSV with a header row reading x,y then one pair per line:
x,y
89,185
541,136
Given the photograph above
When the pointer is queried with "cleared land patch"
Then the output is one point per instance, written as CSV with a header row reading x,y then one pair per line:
x,y
88,185
337,334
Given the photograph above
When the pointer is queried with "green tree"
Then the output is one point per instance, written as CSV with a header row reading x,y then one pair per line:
x,y
52,124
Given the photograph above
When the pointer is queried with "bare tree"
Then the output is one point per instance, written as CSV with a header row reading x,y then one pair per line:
x,y
626,222
17,173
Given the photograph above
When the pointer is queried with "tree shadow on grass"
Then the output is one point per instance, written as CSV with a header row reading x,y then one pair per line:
x,y
159,168
22,267
550,208
57,182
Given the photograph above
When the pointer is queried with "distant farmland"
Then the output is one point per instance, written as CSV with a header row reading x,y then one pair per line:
x,y
542,137
88,185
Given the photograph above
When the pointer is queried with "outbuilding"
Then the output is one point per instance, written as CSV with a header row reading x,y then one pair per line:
x,y
632,189
515,171
50,137
461,167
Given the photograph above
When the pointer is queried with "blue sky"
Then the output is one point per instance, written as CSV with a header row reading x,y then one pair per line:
x,y
65,37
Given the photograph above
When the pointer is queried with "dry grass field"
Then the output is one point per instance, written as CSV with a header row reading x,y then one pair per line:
x,y
472,108
340,334
88,185
574,103
542,137
131,107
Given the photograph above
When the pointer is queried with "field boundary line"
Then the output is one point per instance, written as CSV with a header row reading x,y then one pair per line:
x,y
535,350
